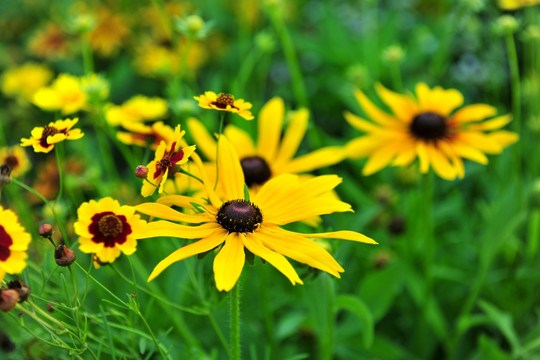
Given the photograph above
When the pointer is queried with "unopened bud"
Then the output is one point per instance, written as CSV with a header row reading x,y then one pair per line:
x,y
8,299
506,24
141,172
45,230
19,286
64,256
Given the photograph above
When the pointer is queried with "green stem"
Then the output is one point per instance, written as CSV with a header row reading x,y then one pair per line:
x,y
516,95
59,152
235,322
190,174
395,73
88,61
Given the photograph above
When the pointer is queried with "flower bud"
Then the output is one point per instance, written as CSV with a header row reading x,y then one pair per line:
x,y
64,256
393,54
141,172
19,286
45,230
8,299
506,24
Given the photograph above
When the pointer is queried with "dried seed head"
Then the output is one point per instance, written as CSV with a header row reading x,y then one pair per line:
x,y
64,256
8,299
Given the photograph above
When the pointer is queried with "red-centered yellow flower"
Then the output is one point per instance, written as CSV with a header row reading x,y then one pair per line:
x,y
235,225
273,154
169,156
225,102
44,138
143,135
138,108
22,82
14,242
65,95
108,229
429,128
15,157
516,4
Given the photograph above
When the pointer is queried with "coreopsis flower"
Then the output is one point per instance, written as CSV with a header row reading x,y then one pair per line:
x,y
108,229
65,94
44,138
273,154
225,102
429,127
50,42
137,109
109,33
23,81
143,135
14,242
234,225
15,157
168,157
516,4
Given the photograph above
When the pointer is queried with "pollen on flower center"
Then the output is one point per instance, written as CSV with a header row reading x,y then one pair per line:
x,y
223,100
239,216
429,126
256,170
110,225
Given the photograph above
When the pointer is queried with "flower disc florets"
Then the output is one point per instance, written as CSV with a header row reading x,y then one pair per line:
x,y
429,126
223,100
256,170
110,225
239,216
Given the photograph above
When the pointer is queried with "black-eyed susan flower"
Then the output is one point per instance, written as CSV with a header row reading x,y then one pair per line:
x,y
108,229
144,135
235,225
138,108
273,154
44,138
169,156
22,82
429,128
225,102
14,242
516,4
65,94
15,157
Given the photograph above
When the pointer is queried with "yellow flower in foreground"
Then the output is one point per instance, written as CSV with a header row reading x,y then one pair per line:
x,y
15,157
235,225
65,94
273,155
14,242
23,81
168,157
516,4
108,229
138,108
143,135
44,138
225,102
428,127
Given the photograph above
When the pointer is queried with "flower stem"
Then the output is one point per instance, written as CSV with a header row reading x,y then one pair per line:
x,y
190,174
59,152
516,95
235,322
88,61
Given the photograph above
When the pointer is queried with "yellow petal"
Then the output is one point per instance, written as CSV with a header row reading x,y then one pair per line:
x,y
423,157
206,244
469,152
229,262
178,200
362,146
379,159
205,142
241,141
475,112
503,138
480,141
293,136
317,159
208,187
492,124
402,106
343,235
231,175
440,163
164,212
169,229
270,125
361,124
372,111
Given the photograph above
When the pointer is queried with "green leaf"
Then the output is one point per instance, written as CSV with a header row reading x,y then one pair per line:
x,y
379,289
489,350
356,306
246,193
504,323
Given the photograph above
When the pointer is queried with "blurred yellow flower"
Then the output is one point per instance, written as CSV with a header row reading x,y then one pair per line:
x,y
15,157
22,82
225,102
109,33
516,4
64,94
44,138
428,127
138,108
14,242
143,135
50,42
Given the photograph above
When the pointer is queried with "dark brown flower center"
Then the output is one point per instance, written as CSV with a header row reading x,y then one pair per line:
x,y
48,131
256,170
109,228
429,126
110,225
12,161
5,243
239,216
169,161
223,100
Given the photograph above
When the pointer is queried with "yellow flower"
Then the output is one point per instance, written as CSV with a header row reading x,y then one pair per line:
x,y
138,108
168,157
110,32
234,225
143,135
428,127
225,102
43,139
516,4
14,242
108,229
15,157
273,154
50,42
23,81
65,94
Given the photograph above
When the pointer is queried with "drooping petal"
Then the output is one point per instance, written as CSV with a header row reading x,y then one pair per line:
x,y
231,175
229,262
270,126
475,112
440,163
